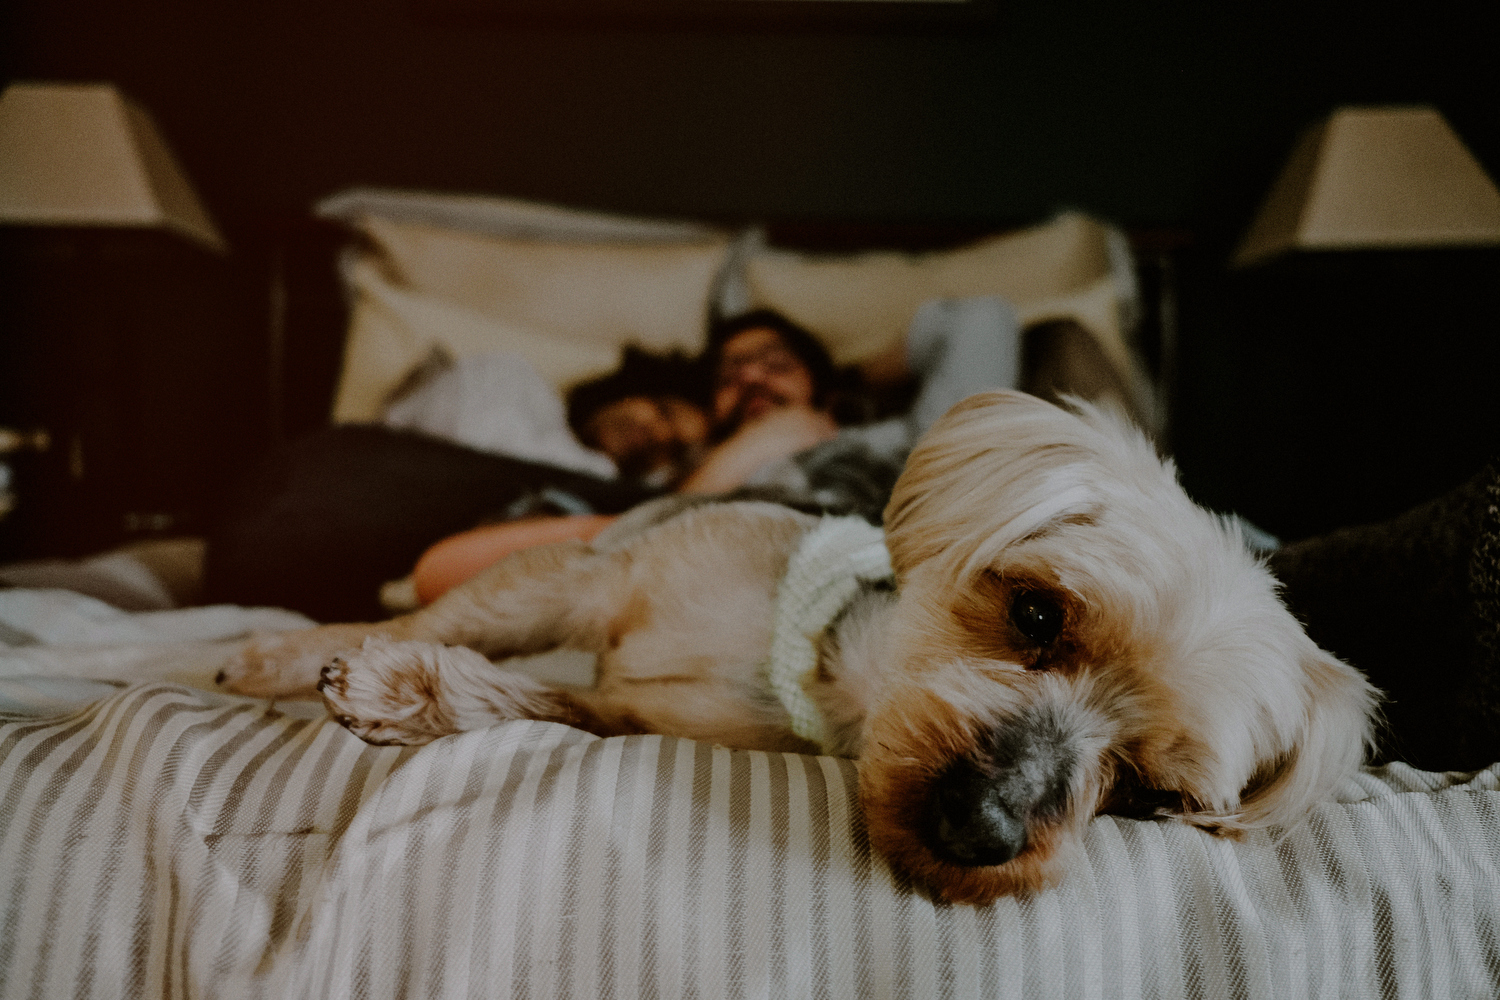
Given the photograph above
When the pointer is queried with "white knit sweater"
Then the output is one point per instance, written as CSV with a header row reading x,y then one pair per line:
x,y
821,579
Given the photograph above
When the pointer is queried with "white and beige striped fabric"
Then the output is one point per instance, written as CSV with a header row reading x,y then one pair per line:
x,y
161,843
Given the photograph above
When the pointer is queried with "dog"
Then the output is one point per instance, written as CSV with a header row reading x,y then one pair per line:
x,y
1063,633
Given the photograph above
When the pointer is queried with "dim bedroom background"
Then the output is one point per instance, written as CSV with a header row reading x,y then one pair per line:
x,y
442,187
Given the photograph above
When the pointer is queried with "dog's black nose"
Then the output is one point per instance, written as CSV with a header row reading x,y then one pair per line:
x,y
982,805
973,825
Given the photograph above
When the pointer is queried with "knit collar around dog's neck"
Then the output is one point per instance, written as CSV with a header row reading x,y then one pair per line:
x,y
822,577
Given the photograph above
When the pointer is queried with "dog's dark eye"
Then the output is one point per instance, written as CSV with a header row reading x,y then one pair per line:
x,y
1036,616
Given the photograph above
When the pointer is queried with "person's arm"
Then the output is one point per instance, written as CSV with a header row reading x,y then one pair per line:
x,y
457,558
777,435
957,347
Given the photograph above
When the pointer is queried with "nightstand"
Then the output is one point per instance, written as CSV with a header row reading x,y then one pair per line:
x,y
133,360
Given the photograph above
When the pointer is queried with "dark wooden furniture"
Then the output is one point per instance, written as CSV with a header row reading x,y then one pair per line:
x,y
132,351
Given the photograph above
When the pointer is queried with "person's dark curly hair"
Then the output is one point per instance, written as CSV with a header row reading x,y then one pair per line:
x,y
798,339
840,391
641,373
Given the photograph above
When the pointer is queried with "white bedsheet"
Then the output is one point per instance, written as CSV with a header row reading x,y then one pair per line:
x,y
165,841
61,650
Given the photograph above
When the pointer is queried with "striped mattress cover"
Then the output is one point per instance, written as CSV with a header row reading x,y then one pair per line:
x,y
165,841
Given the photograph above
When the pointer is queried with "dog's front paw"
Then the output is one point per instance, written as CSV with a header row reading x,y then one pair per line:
x,y
388,693
286,664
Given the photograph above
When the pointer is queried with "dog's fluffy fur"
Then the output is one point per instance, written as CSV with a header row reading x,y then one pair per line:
x,y
1070,635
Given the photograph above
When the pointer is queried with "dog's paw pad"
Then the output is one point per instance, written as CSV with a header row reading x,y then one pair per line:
x,y
334,676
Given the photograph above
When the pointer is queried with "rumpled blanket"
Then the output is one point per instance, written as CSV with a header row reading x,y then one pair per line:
x,y
165,841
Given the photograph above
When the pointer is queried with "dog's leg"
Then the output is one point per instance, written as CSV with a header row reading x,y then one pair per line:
x,y
411,693
286,664
390,692
538,599
532,601
681,622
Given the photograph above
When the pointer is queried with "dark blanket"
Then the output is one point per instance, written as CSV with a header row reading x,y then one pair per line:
x,y
1414,602
321,523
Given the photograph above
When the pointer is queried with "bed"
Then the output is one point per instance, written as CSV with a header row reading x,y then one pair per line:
x,y
161,838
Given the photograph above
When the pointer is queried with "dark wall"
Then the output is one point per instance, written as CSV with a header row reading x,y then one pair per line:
x,y
1152,113
1173,115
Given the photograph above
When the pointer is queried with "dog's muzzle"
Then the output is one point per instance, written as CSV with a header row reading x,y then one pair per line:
x,y
983,805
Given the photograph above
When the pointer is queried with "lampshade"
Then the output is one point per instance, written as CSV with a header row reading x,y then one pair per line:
x,y
1376,177
84,155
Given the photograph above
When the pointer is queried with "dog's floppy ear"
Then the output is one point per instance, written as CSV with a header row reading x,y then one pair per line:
x,y
1324,747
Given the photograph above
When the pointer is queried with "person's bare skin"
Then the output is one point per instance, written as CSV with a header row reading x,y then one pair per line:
x,y
777,435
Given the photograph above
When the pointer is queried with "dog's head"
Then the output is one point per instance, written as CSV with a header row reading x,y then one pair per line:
x,y
1075,636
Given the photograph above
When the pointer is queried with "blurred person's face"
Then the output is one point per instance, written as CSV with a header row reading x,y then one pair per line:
x,y
757,373
659,439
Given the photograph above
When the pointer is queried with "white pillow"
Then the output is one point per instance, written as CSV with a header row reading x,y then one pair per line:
x,y
858,304
392,330
495,402
565,288
654,294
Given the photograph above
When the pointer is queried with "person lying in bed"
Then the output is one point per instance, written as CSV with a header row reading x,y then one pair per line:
x,y
772,390
649,415
764,389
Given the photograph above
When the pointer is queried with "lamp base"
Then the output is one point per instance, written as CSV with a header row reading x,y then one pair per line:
x,y
135,351
1331,389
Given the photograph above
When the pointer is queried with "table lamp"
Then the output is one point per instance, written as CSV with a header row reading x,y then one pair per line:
x,y
1376,178
81,154
118,325
1351,351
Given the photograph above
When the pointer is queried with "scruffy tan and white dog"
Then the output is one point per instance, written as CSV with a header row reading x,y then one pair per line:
x,y
1069,634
